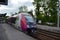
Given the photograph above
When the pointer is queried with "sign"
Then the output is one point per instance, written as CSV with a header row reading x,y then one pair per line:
x,y
3,2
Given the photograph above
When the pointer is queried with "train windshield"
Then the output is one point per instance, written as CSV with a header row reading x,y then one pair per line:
x,y
29,19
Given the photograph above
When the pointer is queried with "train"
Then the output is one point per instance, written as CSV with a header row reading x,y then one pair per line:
x,y
24,22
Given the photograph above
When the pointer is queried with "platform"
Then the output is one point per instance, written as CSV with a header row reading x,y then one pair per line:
x,y
13,34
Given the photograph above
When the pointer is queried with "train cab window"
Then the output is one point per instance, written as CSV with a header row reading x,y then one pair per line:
x,y
29,19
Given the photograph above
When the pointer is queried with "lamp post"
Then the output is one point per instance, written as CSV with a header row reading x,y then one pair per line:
x,y
58,14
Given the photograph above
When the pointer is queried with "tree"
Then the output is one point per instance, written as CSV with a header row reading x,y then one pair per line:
x,y
52,5
49,8
23,9
37,5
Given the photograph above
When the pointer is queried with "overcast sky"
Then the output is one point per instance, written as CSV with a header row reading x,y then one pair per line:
x,y
13,6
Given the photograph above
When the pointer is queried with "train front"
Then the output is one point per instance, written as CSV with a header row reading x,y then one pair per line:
x,y
31,24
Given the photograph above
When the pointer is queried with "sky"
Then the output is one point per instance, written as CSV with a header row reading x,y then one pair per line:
x,y
13,6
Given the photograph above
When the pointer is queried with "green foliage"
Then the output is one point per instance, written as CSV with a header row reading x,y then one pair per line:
x,y
49,8
23,9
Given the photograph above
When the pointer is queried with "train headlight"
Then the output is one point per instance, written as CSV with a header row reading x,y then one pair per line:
x,y
27,26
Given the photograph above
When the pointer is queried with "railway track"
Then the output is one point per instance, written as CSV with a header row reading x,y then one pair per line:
x,y
46,35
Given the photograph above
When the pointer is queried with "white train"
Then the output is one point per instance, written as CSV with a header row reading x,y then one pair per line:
x,y
24,22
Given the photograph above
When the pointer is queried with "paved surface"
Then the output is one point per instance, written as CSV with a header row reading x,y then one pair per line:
x,y
2,34
50,28
14,34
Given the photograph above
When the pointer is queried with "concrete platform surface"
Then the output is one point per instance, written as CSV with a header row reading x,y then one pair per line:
x,y
49,28
14,34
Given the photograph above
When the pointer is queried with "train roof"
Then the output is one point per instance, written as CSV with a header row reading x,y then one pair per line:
x,y
20,14
24,14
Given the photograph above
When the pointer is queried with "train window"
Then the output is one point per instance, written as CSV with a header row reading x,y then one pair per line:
x,y
13,20
29,19
17,18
